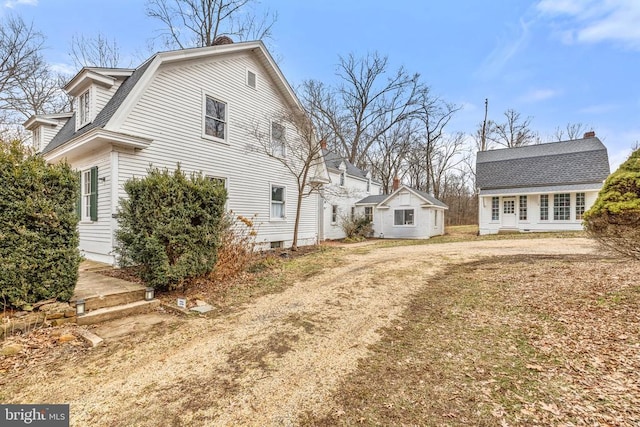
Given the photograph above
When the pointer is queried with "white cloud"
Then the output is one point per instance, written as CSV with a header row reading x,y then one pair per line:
x,y
596,21
13,3
61,68
598,109
507,48
537,95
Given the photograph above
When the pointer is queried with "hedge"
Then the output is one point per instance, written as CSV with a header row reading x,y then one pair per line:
x,y
39,256
169,226
614,219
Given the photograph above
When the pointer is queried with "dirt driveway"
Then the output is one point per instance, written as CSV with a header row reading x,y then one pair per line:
x,y
267,363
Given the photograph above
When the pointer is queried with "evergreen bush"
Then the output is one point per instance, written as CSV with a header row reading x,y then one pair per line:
x,y
169,226
39,254
614,219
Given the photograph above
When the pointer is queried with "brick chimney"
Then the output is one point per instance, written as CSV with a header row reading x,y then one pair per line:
x,y
323,144
396,183
590,134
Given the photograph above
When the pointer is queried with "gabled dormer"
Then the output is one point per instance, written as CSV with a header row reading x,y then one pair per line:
x,y
343,173
91,89
44,127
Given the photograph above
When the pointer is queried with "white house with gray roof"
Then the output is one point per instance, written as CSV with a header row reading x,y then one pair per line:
x,y
544,187
406,213
199,107
348,184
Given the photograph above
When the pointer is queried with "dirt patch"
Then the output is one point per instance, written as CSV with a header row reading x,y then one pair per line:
x,y
523,340
279,350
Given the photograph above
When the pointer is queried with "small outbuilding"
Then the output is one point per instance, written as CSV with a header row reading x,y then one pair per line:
x,y
544,187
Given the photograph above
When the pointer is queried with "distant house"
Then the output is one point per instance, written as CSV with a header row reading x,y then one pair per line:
x,y
348,184
199,107
545,187
406,213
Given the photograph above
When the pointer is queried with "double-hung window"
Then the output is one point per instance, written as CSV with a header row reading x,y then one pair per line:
x,y
580,205
278,195
88,204
278,140
495,208
403,217
523,208
368,213
84,108
215,118
334,214
342,179
561,207
544,207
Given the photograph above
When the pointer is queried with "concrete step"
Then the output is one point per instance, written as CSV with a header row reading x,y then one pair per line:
x,y
117,312
112,299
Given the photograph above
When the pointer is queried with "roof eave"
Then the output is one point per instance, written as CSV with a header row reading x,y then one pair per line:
x,y
95,139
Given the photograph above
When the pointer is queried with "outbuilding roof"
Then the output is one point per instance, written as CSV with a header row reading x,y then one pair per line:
x,y
579,161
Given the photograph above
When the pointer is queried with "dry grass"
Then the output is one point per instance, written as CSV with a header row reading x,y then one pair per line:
x,y
506,341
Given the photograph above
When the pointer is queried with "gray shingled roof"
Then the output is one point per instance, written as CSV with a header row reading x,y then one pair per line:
x,y
431,199
580,161
333,161
68,131
379,198
372,200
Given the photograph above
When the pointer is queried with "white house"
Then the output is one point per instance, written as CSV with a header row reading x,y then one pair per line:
x,y
348,184
406,213
199,107
545,187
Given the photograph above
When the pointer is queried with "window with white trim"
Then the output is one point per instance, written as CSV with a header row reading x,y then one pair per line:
x,y
544,207
368,213
215,118
251,79
278,147
435,218
88,207
580,205
342,179
403,217
368,185
495,208
509,207
84,108
278,199
561,207
523,208
334,214
353,213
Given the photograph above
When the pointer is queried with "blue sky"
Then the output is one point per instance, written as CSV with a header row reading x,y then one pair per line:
x,y
558,61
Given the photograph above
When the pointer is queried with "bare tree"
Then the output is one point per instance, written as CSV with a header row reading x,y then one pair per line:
x,y
571,131
94,51
368,102
196,23
388,155
27,86
515,131
298,150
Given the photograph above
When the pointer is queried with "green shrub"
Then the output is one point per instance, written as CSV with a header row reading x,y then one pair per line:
x,y
614,219
39,254
170,226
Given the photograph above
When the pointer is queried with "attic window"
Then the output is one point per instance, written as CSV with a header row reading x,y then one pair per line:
x,y
84,108
251,79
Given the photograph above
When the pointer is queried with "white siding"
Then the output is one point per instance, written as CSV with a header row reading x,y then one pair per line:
x,y
96,236
533,222
170,112
103,95
345,197
423,227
